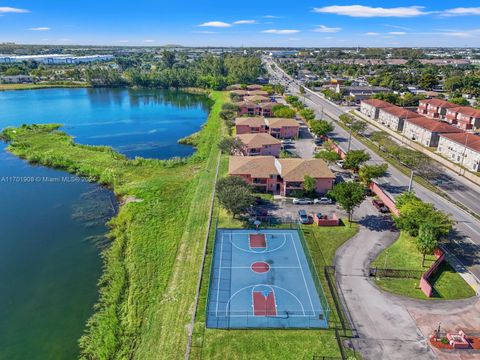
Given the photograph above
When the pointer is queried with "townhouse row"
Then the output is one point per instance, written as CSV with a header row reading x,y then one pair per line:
x,y
448,140
465,117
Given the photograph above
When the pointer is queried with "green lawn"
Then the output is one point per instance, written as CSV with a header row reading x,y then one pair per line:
x,y
262,344
402,254
151,269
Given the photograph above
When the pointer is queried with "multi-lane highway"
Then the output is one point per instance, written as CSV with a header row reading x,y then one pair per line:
x,y
466,244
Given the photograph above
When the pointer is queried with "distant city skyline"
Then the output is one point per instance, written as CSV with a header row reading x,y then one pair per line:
x,y
301,23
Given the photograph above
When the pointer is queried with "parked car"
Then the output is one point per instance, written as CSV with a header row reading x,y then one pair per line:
x,y
323,201
303,217
318,141
355,177
287,142
369,192
297,201
340,163
380,206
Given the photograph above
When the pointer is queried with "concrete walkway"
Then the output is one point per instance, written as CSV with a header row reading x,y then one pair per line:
x,y
385,328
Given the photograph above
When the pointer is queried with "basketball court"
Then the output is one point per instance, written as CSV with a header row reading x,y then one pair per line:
x,y
262,279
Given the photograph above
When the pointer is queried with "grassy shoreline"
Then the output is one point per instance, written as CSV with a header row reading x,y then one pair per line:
x,y
151,268
15,87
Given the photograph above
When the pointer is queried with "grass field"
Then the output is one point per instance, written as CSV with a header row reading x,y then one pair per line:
x,y
263,344
151,269
402,254
5,87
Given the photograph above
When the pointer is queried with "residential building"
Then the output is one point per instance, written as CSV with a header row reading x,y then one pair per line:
x,y
250,125
281,176
462,148
435,108
371,107
283,128
359,93
427,131
16,79
464,117
260,144
395,116
253,109
55,58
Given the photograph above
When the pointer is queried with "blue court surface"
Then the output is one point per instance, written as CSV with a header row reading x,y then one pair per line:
x,y
262,279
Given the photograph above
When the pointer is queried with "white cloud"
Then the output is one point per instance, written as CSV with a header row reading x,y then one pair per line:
x,y
39,29
218,24
121,41
326,29
7,9
398,27
272,17
397,33
371,33
148,41
204,32
244,22
281,32
367,11
461,11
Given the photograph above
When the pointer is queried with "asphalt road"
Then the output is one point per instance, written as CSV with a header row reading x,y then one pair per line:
x,y
466,236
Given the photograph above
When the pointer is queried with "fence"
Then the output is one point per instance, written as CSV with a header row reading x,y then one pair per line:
x,y
396,273
313,271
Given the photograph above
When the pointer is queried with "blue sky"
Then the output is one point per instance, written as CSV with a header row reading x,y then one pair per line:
x,y
236,23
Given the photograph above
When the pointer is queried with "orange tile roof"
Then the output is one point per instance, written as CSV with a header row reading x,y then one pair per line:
x,y
258,140
255,166
281,122
250,121
466,110
439,102
296,169
400,112
433,125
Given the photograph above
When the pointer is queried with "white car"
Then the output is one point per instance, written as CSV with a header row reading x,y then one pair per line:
x,y
340,163
297,201
323,201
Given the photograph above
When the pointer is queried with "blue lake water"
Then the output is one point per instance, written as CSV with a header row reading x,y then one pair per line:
x,y
53,224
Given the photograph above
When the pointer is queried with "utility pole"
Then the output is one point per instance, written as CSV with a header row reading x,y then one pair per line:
x,y
410,185
350,139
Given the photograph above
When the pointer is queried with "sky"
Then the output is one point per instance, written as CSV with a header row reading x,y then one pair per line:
x,y
300,23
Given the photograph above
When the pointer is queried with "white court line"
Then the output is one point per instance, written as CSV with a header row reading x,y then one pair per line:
x,y
256,252
219,275
303,275
266,285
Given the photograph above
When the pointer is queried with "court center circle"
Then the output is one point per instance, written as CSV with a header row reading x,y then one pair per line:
x,y
260,267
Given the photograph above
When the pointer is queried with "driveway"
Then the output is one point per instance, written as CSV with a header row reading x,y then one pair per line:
x,y
385,328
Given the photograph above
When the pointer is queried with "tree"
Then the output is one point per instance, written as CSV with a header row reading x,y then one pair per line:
x,y
414,213
309,184
282,111
234,194
355,158
329,156
428,80
230,145
426,242
307,114
358,126
460,101
369,172
168,58
349,196
321,127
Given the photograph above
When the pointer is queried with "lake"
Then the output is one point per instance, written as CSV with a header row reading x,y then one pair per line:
x,y
53,224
